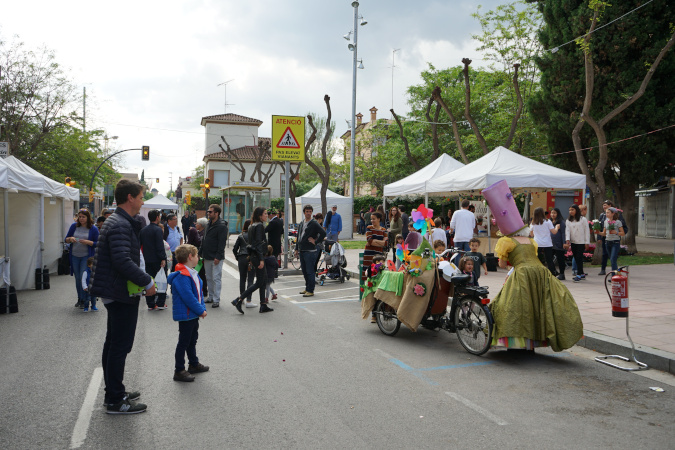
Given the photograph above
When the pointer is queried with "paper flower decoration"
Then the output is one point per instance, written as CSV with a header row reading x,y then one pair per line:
x,y
370,283
415,261
422,216
419,289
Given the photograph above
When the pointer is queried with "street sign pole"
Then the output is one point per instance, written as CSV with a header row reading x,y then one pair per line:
x,y
287,212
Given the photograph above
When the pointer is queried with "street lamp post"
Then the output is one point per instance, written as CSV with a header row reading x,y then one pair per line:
x,y
354,48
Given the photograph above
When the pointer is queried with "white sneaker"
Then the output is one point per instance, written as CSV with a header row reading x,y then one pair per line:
x,y
251,305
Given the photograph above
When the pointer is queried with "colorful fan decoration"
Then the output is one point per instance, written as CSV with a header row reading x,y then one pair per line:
x,y
401,251
422,218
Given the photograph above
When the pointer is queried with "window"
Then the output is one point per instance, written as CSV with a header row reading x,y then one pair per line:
x,y
221,178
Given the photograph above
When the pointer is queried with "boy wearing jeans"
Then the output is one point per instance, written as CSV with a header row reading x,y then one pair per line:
x,y
188,307
86,278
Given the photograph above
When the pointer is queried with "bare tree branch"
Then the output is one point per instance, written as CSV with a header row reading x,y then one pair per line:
x,y
434,126
519,111
230,155
405,141
436,94
324,175
467,106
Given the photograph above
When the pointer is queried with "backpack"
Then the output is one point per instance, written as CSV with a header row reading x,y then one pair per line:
x,y
329,217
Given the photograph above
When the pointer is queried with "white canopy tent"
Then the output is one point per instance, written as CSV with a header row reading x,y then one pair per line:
x,y
157,202
520,172
344,204
29,201
416,184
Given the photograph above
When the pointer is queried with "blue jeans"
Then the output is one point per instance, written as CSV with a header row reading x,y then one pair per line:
x,y
613,248
79,266
119,338
307,264
188,332
89,298
463,246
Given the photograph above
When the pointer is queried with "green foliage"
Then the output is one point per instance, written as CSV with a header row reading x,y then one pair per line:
x,y
38,110
197,177
277,203
621,55
199,202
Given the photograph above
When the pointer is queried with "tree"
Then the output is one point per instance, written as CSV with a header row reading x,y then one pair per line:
x,y
323,173
38,104
620,85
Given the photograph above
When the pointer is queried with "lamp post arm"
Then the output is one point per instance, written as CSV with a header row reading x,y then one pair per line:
x,y
91,185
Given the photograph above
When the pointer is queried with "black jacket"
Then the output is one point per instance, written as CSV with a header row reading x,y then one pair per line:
x,y
118,258
275,231
152,244
240,245
215,238
313,230
257,244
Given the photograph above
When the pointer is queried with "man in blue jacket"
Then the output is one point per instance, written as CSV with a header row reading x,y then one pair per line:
x,y
116,264
333,224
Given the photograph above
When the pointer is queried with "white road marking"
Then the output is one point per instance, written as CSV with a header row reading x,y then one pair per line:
x,y
477,408
230,270
334,300
353,288
83,419
386,355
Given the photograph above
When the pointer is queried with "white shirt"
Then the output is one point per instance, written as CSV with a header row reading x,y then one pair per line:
x,y
577,232
463,222
439,235
542,233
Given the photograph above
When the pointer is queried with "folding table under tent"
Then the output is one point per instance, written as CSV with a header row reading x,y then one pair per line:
x,y
344,204
30,201
416,183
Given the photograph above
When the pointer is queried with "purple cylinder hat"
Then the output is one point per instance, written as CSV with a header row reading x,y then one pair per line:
x,y
504,208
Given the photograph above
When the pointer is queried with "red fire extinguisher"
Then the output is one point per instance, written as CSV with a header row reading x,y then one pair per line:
x,y
619,296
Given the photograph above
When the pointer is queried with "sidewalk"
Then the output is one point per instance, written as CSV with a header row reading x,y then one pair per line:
x,y
651,314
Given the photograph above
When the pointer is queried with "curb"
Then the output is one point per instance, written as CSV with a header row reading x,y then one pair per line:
x,y
608,345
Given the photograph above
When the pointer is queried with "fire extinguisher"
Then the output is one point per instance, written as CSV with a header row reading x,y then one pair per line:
x,y
619,295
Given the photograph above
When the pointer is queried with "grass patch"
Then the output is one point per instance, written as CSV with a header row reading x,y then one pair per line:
x,y
350,245
644,258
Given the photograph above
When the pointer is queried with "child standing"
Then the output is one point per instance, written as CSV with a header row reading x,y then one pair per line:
x,y
478,258
188,307
466,267
612,232
86,277
272,267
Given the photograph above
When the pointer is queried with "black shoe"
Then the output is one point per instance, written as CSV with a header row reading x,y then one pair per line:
x,y
208,300
183,375
264,308
199,368
237,304
602,272
215,305
126,406
77,305
561,276
133,396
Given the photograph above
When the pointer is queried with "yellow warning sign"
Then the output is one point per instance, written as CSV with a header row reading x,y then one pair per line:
x,y
288,138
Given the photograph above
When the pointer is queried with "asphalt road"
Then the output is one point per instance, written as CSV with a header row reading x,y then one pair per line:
x,y
311,374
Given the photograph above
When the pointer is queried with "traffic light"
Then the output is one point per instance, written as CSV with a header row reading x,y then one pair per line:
x,y
146,153
69,182
157,180
207,186
188,199
91,196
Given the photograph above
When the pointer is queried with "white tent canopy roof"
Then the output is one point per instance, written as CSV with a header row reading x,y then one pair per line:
x,y
16,175
159,202
416,183
315,192
520,172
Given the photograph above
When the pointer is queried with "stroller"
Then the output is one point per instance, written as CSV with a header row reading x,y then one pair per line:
x,y
334,263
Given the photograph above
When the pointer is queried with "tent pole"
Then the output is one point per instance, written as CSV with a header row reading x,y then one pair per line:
x,y
42,231
426,199
6,224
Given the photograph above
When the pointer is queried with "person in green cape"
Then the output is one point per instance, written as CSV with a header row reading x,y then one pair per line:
x,y
533,308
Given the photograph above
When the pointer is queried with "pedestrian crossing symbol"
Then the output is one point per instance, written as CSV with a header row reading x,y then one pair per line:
x,y
288,140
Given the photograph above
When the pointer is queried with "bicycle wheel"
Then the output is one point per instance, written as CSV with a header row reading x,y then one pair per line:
x,y
473,326
386,319
295,260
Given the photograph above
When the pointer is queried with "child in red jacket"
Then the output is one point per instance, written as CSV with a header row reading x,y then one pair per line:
x,y
188,307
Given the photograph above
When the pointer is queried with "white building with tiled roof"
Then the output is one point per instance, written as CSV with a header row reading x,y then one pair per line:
x,y
241,133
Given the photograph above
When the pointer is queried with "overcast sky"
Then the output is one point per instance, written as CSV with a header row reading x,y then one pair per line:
x,y
151,68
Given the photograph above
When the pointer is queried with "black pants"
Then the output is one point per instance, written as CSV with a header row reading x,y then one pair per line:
x,y
119,339
151,268
260,284
560,256
188,332
547,254
202,275
245,276
578,255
